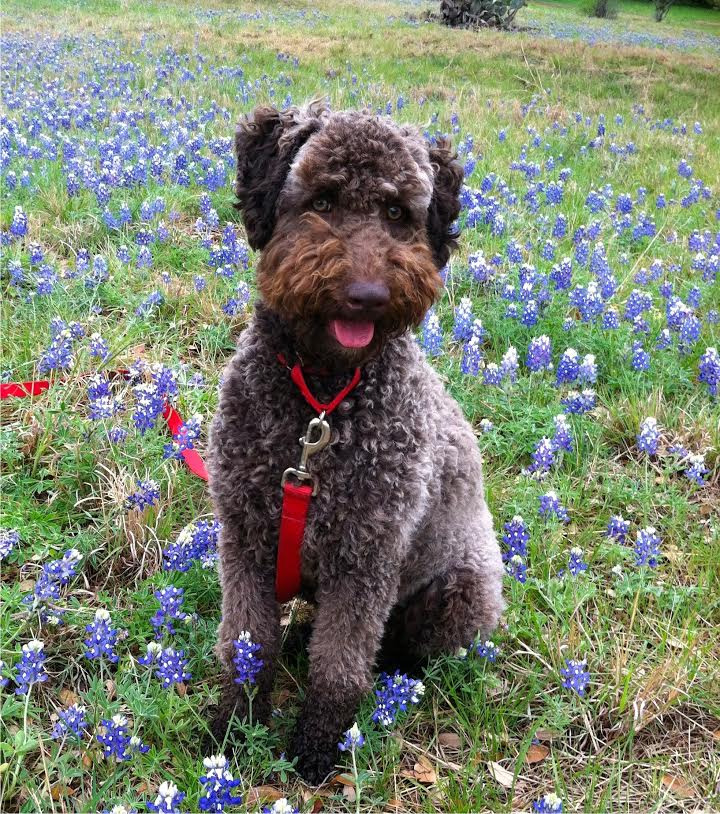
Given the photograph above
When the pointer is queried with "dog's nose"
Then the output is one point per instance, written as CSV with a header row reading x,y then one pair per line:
x,y
367,296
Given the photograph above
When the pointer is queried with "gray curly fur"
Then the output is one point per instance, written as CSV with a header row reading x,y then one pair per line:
x,y
399,551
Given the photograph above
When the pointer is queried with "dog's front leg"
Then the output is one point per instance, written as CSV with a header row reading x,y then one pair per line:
x,y
349,624
248,605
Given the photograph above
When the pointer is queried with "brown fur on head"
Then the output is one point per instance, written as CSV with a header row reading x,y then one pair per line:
x,y
353,214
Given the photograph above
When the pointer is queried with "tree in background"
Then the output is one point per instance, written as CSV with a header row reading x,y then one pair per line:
x,y
607,9
661,9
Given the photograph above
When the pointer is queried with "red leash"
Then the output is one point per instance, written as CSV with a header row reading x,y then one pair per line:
x,y
296,497
192,460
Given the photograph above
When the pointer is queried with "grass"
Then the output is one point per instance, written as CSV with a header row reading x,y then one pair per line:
x,y
644,738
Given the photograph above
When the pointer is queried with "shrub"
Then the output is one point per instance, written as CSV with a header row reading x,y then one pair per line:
x,y
480,13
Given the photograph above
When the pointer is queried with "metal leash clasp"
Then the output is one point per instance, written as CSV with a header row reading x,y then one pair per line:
x,y
316,438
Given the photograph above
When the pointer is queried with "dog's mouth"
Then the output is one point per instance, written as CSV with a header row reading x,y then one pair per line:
x,y
351,333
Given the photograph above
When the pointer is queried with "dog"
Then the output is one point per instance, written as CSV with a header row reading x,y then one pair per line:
x,y
354,216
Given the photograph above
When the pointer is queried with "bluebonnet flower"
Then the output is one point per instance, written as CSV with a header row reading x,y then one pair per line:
x,y
18,226
640,357
218,785
199,283
99,347
684,169
539,353
470,364
575,676
9,538
509,364
611,320
487,650
168,799
563,437
55,575
576,563
568,367
30,669
649,436
515,538
664,339
709,370
492,374
543,456
696,469
183,439
102,639
117,435
486,425
587,372
353,739
516,568
550,505
196,542
152,651
578,403
170,667
171,600
280,806
4,681
647,547
149,404
59,355
548,804
71,721
153,299
463,319
431,334
147,494
247,665
395,694
618,528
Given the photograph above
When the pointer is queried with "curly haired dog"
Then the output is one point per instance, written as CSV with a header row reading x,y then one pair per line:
x,y
353,214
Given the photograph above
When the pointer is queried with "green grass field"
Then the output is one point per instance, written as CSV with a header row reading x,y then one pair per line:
x,y
120,103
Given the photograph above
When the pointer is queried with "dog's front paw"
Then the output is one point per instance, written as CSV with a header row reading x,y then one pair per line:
x,y
315,762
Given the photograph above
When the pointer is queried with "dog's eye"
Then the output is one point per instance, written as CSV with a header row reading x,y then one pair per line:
x,y
321,205
394,212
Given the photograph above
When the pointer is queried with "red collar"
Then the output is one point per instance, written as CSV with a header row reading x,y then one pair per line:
x,y
296,497
298,379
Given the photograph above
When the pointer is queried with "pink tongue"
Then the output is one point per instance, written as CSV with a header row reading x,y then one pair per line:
x,y
352,334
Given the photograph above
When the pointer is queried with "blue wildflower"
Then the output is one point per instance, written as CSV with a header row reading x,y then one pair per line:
x,y
218,785
30,670
9,538
539,353
576,563
395,694
550,505
168,799
147,494
71,721
647,547
247,665
548,804
353,739
171,600
649,436
170,667
618,528
102,639
575,677
196,542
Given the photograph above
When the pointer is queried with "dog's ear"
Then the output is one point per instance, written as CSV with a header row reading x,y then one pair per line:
x,y
445,203
266,142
